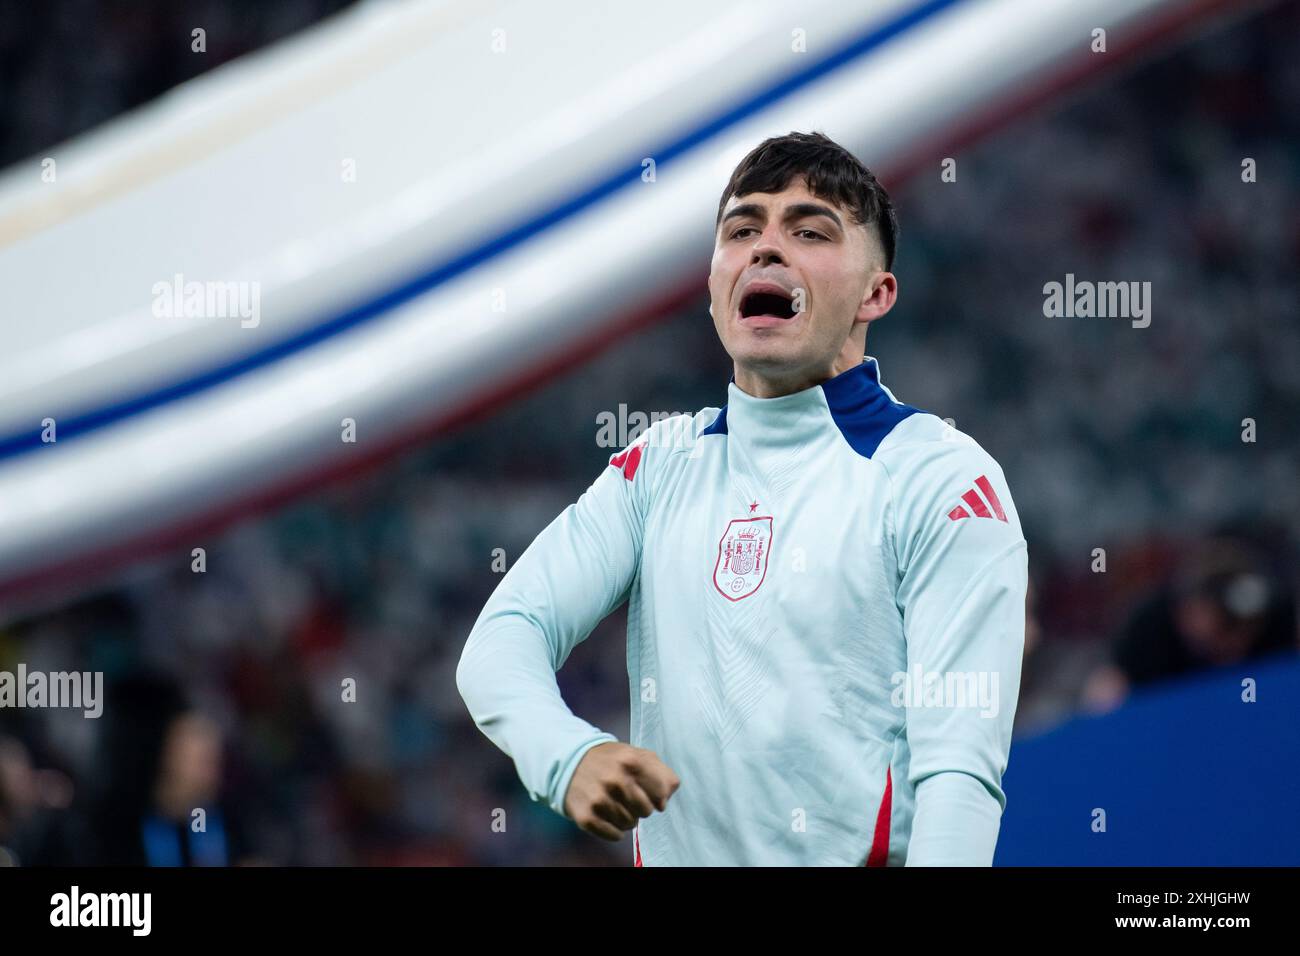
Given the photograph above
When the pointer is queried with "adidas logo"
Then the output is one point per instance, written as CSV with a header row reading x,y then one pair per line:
x,y
628,460
977,504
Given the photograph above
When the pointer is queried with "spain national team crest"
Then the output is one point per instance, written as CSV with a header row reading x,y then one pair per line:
x,y
743,554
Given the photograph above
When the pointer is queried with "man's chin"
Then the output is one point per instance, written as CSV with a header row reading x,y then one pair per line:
x,y
765,345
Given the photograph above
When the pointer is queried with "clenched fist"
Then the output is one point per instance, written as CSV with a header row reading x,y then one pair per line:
x,y
614,786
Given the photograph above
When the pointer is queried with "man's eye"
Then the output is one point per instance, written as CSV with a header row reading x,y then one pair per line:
x,y
815,235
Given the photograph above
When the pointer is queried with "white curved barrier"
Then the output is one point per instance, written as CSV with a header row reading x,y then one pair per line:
x,y
418,205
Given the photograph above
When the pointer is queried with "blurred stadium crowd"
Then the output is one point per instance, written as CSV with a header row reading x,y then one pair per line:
x,y
224,687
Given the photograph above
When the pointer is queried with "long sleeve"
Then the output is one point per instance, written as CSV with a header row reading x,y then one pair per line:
x,y
578,570
963,577
956,822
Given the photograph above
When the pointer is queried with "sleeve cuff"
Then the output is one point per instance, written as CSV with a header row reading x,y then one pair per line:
x,y
556,797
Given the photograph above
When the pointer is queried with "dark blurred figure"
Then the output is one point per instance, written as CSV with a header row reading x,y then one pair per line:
x,y
34,821
161,760
1227,602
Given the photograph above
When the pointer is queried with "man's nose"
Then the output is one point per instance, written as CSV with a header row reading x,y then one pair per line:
x,y
766,251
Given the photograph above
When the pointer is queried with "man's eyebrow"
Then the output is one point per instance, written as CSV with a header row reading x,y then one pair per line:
x,y
799,210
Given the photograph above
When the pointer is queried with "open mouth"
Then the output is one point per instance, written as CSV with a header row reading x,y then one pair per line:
x,y
775,305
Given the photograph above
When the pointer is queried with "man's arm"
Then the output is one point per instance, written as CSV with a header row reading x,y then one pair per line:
x,y
577,570
963,578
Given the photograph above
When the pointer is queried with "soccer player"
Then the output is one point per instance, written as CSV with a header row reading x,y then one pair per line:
x,y
826,586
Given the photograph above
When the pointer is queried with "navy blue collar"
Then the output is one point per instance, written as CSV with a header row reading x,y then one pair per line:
x,y
861,408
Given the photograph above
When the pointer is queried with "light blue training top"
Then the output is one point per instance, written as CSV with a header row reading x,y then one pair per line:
x,y
825,631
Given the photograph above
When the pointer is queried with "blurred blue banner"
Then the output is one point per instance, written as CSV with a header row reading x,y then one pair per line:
x,y
1188,775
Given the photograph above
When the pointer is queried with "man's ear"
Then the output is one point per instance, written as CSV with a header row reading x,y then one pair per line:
x,y
710,310
881,300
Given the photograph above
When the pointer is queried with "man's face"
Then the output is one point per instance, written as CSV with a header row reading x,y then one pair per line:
x,y
805,248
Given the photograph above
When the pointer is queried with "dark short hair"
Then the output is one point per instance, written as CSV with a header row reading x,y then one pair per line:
x,y
832,173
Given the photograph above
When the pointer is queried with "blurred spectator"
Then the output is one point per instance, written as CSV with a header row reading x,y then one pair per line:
x,y
1225,604
159,802
33,809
